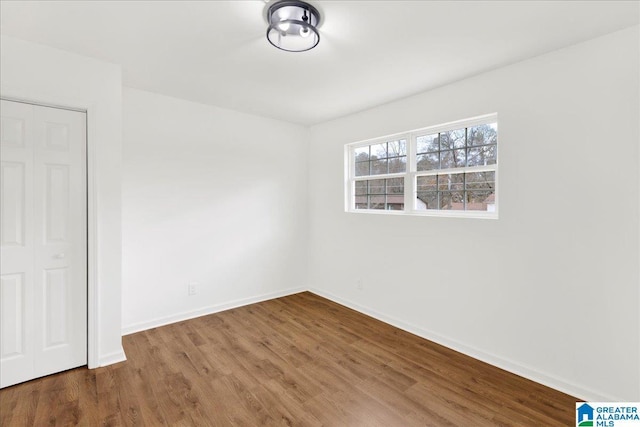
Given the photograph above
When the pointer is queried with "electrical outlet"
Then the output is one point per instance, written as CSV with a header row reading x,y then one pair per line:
x,y
359,284
193,288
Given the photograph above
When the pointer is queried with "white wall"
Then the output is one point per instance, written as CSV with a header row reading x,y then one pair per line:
x,y
38,73
550,290
212,196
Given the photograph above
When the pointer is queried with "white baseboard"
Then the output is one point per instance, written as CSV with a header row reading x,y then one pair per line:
x,y
508,365
154,323
112,358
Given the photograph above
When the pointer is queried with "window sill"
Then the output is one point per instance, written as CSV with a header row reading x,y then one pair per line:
x,y
441,214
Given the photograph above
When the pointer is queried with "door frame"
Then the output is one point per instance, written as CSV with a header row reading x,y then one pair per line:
x,y
92,229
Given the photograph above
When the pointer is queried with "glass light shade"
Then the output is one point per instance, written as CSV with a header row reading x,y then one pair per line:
x,y
293,26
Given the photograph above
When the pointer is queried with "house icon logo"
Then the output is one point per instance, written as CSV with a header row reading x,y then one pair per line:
x,y
584,415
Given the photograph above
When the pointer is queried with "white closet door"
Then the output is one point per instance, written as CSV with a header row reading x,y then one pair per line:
x,y
43,253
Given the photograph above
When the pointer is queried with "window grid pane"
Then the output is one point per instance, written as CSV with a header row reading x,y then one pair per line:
x,y
469,146
381,158
472,191
380,194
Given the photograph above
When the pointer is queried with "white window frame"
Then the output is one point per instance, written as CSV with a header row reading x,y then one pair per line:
x,y
411,174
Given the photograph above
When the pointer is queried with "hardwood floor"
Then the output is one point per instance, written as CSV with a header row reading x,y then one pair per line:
x,y
298,360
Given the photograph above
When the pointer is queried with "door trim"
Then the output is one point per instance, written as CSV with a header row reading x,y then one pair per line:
x,y
92,231
42,104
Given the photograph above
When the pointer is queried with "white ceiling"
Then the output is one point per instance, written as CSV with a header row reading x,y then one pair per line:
x,y
370,52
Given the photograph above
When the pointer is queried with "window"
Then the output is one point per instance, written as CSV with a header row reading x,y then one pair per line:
x,y
446,170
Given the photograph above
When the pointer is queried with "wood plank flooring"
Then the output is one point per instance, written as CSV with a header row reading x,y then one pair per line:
x,y
299,360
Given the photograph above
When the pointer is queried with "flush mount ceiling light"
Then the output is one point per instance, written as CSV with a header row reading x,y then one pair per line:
x,y
293,25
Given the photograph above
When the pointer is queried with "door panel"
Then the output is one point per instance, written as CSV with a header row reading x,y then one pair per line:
x,y
43,252
13,132
56,208
12,321
56,289
13,195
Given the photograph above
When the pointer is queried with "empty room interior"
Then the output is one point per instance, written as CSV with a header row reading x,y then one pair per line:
x,y
339,213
